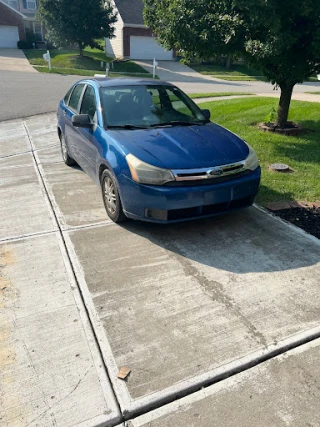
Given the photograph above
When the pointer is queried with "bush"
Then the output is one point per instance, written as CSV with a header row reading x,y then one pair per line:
x,y
23,44
30,37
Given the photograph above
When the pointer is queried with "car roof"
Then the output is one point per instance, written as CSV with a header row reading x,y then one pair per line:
x,y
125,81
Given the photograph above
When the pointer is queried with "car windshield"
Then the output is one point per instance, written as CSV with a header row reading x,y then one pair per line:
x,y
145,106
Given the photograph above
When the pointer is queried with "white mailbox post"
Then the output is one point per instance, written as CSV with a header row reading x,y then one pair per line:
x,y
154,67
47,58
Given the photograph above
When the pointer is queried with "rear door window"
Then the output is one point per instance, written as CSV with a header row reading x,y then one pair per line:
x,y
89,104
75,98
66,98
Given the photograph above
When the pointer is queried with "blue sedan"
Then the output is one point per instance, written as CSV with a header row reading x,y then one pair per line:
x,y
154,152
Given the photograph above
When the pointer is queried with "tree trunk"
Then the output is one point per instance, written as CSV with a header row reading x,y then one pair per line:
x,y
229,62
284,104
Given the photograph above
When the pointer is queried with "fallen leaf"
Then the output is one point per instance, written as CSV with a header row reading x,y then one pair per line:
x,y
123,372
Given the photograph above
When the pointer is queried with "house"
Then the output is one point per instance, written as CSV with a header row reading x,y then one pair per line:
x,y
17,17
133,39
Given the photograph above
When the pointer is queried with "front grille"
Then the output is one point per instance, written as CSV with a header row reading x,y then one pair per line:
x,y
208,174
209,181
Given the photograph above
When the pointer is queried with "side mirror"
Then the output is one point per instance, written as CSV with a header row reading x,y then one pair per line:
x,y
81,121
206,114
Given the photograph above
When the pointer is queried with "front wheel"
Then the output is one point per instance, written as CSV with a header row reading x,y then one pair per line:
x,y
64,151
111,198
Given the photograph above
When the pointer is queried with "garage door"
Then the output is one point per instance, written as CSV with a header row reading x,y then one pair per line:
x,y
8,36
147,48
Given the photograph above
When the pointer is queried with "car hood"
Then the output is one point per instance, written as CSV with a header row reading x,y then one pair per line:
x,y
183,147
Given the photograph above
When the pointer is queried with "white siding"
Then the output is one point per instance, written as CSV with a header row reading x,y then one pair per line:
x,y
114,47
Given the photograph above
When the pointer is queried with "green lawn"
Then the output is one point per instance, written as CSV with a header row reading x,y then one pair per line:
x,y
218,94
314,93
301,153
68,61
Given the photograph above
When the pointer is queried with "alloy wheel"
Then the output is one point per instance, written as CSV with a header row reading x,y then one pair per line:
x,y
110,196
64,150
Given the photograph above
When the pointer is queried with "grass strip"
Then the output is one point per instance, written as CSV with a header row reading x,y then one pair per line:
x,y
301,153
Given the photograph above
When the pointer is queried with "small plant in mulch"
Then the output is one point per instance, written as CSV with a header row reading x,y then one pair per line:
x,y
269,125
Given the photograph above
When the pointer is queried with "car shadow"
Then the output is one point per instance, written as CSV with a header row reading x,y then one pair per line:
x,y
247,241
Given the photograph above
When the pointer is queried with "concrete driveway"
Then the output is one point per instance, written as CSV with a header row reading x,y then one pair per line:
x,y
182,306
15,60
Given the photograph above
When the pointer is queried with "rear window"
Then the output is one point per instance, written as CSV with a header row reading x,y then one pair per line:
x,y
75,97
66,98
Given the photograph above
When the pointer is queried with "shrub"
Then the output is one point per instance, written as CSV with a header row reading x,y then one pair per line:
x,y
23,44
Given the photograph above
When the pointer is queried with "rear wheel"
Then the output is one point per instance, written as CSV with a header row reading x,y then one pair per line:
x,y
64,151
111,198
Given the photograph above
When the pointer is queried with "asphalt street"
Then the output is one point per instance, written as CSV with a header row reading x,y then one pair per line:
x,y
27,94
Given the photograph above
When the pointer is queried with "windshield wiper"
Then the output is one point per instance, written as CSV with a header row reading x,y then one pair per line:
x,y
127,126
176,123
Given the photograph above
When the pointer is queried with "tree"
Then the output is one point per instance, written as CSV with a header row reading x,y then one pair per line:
x,y
279,37
77,21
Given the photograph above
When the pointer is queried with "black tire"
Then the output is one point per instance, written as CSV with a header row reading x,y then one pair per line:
x,y
111,198
64,152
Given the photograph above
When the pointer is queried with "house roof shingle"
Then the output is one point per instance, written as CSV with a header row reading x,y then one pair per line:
x,y
130,11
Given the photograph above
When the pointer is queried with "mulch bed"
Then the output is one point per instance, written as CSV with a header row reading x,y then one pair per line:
x,y
305,217
291,129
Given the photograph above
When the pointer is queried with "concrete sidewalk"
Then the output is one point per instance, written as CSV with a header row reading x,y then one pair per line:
x,y
51,371
190,81
296,97
15,60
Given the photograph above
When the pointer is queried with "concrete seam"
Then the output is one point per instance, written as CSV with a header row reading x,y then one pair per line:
x,y
14,155
206,391
219,374
25,236
28,151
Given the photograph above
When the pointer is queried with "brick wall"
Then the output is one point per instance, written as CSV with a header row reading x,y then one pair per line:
x,y
10,18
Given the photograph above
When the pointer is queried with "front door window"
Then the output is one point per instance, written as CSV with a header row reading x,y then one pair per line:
x,y
37,31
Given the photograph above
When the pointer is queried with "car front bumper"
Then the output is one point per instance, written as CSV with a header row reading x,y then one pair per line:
x,y
166,204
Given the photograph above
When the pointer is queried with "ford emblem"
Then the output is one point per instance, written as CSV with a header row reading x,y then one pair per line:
x,y
215,172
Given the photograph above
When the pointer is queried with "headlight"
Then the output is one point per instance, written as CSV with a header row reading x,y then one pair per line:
x,y
252,161
147,174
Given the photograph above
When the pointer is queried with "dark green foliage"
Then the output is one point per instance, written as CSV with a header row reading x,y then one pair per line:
x,y
30,37
77,22
23,44
279,37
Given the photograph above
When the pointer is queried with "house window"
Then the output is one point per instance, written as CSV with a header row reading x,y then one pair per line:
x,y
13,4
37,31
30,4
